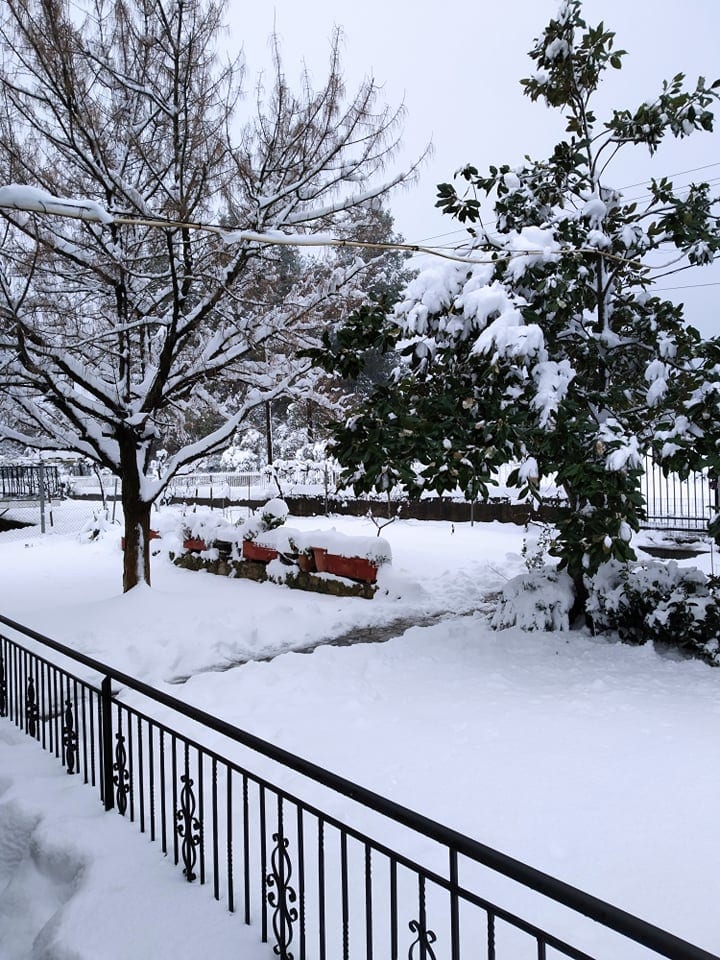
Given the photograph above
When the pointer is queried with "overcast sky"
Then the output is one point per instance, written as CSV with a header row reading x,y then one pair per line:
x,y
457,68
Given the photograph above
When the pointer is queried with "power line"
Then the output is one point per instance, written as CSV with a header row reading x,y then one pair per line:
x,y
627,186
687,286
91,212
685,188
439,236
679,173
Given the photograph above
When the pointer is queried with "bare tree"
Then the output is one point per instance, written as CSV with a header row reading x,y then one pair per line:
x,y
112,335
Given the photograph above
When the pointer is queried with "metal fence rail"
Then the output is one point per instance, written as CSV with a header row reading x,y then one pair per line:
x,y
317,886
675,504
672,504
285,477
26,481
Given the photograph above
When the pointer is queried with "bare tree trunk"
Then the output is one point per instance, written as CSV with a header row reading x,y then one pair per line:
x,y
579,607
136,563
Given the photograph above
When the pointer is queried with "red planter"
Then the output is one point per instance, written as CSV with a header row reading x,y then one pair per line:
x,y
194,545
253,551
352,568
306,562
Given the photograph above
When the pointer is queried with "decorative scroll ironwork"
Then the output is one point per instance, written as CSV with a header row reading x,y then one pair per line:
x,y
423,942
31,709
188,827
284,915
122,777
3,688
70,738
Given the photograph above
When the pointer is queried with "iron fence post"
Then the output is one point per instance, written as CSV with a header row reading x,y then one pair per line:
x,y
106,743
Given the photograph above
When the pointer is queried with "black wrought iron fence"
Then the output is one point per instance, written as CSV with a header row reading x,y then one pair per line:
x,y
28,481
676,504
317,885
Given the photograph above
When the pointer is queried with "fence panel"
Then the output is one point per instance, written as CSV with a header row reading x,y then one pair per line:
x,y
672,503
675,504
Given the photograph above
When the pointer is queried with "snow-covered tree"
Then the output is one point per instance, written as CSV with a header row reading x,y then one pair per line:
x,y
114,334
547,345
383,283
387,274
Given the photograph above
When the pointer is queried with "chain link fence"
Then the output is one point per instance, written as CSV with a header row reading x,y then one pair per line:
x,y
20,519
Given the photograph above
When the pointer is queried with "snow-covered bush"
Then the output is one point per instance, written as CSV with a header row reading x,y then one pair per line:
x,y
269,517
96,527
536,546
537,600
659,601
209,526
274,514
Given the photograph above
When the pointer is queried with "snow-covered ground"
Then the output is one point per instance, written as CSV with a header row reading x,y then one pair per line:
x,y
75,883
591,760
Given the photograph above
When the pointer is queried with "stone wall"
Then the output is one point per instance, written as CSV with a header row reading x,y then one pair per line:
x,y
293,577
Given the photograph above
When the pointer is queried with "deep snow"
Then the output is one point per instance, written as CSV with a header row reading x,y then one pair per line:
x,y
75,883
591,760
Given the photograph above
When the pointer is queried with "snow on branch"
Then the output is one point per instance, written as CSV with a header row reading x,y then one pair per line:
x,y
17,196
347,203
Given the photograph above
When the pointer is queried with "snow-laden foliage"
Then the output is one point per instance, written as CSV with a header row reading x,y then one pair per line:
x,y
274,514
649,601
678,607
548,347
96,527
115,337
211,526
267,528
538,600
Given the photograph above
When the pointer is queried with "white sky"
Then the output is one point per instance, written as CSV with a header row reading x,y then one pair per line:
x,y
457,67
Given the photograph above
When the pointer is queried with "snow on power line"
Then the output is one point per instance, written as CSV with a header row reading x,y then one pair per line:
x,y
34,200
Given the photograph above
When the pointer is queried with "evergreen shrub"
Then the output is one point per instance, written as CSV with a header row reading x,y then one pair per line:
x,y
672,606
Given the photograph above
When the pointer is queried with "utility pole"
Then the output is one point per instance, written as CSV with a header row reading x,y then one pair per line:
x,y
41,493
268,432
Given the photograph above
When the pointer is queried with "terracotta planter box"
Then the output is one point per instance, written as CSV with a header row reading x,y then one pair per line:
x,y
194,545
306,562
352,568
253,551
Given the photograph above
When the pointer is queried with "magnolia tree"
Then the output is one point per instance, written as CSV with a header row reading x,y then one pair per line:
x,y
546,344
115,334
